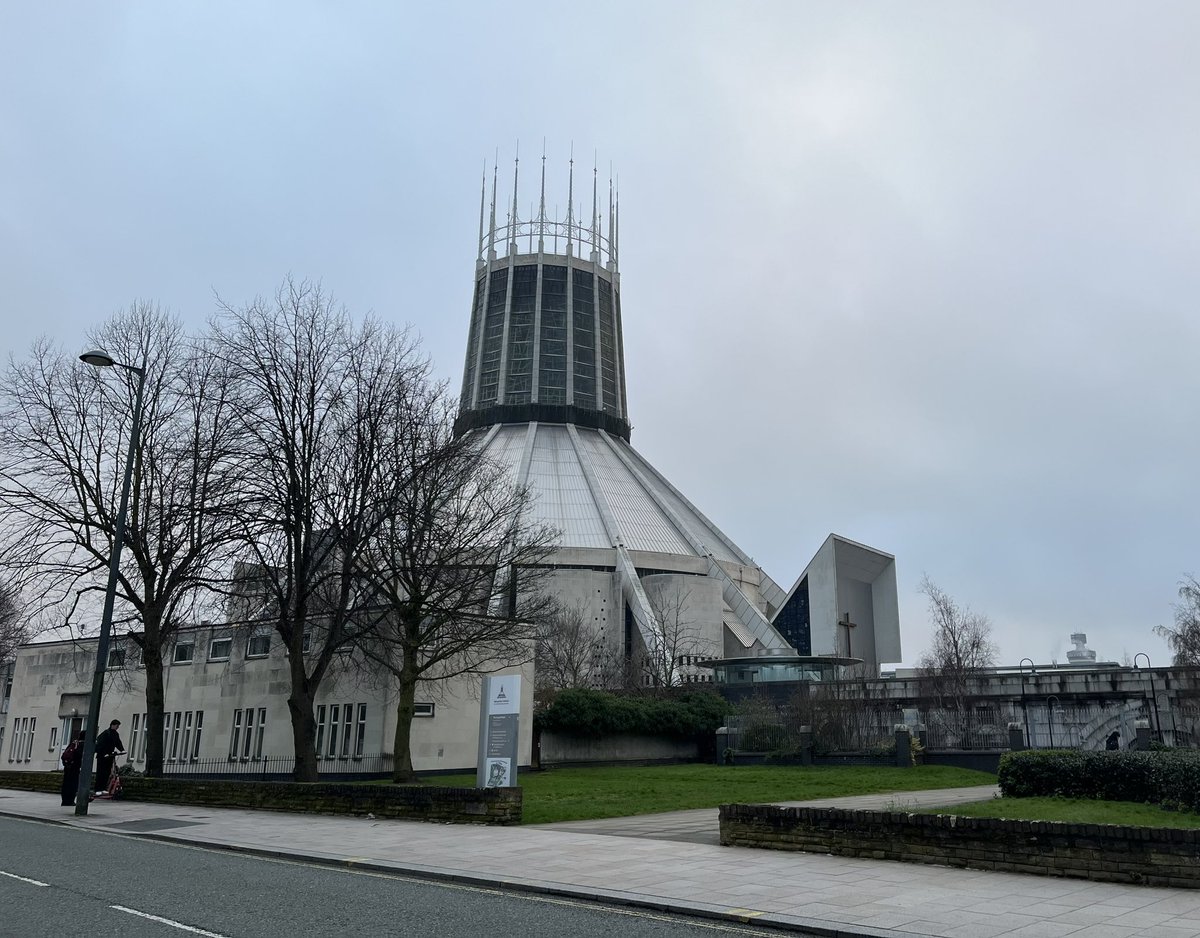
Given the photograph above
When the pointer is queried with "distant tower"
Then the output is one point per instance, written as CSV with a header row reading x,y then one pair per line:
x,y
544,390
1080,656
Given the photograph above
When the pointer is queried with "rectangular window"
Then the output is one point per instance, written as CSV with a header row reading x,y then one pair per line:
x,y
235,735
248,737
334,713
134,736
176,721
360,731
196,738
306,645
347,720
12,746
116,657
258,736
320,728
53,738
259,646
184,651
145,735
422,710
185,741
219,648
29,739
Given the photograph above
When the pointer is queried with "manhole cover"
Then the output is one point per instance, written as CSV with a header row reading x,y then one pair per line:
x,y
151,824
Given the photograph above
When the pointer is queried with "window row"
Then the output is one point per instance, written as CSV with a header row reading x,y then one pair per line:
x,y
246,738
182,730
219,649
20,746
184,650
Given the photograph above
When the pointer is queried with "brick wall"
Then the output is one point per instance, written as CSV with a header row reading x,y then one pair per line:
x,y
406,802
1107,852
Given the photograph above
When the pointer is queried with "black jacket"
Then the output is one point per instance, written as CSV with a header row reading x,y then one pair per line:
x,y
109,742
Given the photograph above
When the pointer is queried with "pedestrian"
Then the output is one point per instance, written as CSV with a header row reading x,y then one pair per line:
x,y
72,761
1113,741
108,745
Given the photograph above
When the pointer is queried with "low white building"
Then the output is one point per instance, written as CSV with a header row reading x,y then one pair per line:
x,y
226,708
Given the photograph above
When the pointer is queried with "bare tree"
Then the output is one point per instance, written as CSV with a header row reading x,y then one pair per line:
x,y
315,395
457,566
14,630
1184,638
571,652
962,647
61,426
665,661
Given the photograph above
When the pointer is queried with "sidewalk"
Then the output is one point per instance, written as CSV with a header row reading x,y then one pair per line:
x,y
823,895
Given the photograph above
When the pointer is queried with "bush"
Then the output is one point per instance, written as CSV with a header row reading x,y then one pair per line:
x,y
1171,779
599,713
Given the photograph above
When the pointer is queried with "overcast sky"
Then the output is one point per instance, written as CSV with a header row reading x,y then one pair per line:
x,y
923,275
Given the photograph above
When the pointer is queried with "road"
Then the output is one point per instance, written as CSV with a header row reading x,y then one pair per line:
x,y
57,881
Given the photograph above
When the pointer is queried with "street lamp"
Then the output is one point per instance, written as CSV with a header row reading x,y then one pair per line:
x,y
1153,698
1024,706
101,359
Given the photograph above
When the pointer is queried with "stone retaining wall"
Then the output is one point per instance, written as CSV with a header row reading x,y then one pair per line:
x,y
568,749
1107,852
406,802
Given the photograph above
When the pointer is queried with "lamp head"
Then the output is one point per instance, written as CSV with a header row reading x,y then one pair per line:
x,y
98,358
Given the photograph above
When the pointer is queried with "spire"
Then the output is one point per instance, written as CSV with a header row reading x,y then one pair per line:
x,y
492,219
595,215
616,244
611,233
542,204
512,222
571,201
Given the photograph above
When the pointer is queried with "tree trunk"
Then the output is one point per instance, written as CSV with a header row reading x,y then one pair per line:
x,y
304,736
402,746
300,706
152,658
154,714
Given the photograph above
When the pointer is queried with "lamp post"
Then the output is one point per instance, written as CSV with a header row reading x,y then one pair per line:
x,y
101,359
1024,706
1153,698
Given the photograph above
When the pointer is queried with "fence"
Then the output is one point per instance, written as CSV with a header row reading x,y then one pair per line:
x,y
275,768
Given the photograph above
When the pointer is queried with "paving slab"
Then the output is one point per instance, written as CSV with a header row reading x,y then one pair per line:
x,y
803,892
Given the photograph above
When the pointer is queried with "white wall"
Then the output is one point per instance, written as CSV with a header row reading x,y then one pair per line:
x,y
52,680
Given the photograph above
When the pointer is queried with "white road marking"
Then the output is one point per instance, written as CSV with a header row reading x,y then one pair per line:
x,y
167,921
32,882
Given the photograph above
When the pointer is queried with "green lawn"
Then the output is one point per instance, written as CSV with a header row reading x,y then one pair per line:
x,y
1074,810
617,791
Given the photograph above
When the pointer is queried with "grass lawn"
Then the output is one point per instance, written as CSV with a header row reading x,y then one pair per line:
x,y
618,791
1075,810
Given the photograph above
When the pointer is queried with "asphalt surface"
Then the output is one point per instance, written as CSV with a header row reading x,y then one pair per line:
x,y
57,881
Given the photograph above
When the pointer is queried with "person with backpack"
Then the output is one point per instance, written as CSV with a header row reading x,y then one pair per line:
x,y
72,762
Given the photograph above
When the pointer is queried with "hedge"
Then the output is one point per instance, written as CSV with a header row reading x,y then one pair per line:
x,y
1170,778
599,713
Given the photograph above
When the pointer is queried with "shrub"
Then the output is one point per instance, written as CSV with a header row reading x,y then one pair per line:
x,y
1171,779
598,713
